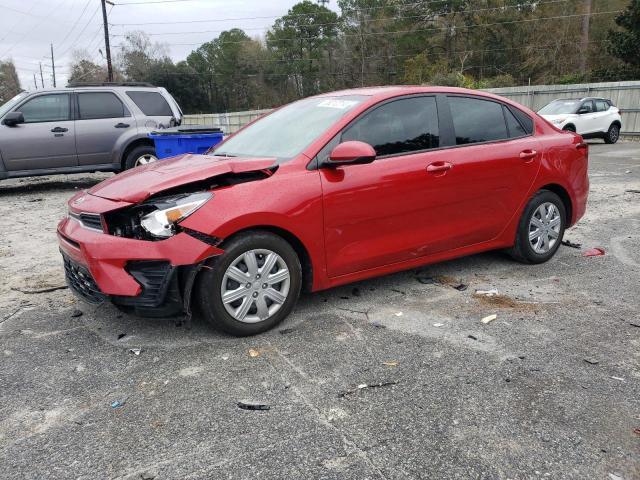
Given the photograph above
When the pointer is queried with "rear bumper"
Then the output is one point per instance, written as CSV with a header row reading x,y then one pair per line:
x,y
147,276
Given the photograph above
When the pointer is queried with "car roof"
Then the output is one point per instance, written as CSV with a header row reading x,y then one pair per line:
x,y
382,92
93,87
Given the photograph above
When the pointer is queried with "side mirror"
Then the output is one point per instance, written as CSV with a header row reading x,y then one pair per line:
x,y
351,153
12,119
583,110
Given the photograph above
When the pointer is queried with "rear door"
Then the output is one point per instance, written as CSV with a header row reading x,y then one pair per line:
x,y
493,164
45,139
101,120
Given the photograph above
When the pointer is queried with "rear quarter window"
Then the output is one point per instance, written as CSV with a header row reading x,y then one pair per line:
x,y
525,120
152,104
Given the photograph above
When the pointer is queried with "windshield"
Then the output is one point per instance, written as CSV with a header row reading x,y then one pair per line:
x,y
11,103
288,131
560,107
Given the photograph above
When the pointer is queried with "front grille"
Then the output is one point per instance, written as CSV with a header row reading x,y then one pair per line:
x,y
88,220
80,281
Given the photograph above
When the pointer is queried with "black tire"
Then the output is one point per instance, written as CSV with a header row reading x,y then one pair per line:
x,y
209,293
522,250
612,134
569,128
136,153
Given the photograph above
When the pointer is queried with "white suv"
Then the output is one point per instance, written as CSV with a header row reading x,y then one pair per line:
x,y
590,117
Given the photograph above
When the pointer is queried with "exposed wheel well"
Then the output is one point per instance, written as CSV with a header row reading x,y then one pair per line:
x,y
569,126
301,251
131,146
564,196
616,122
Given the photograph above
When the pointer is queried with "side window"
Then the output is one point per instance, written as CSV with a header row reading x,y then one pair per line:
x,y
46,108
513,125
400,126
602,106
476,120
99,105
588,105
152,104
525,120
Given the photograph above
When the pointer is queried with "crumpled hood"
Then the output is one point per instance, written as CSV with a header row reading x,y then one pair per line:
x,y
139,183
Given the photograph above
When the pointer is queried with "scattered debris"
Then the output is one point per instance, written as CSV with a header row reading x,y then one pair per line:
x,y
425,280
390,364
225,356
135,351
635,324
472,337
121,336
489,318
378,325
592,361
76,314
344,297
33,200
461,287
286,331
249,405
118,403
487,293
355,292
569,243
398,314
397,291
627,171
613,476
620,379
39,290
147,476
363,386
593,252
636,431
438,325
253,353
632,191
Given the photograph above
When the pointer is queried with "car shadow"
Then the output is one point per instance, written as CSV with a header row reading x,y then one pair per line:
x,y
31,186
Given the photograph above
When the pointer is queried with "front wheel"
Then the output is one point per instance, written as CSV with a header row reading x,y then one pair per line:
x,y
252,286
612,134
541,228
140,155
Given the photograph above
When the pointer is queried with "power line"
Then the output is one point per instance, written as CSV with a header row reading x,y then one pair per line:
x,y
74,24
152,2
341,22
81,32
395,32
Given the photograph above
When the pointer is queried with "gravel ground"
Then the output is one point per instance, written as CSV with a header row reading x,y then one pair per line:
x,y
550,389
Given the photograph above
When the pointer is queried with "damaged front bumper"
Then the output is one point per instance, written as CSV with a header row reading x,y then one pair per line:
x,y
153,278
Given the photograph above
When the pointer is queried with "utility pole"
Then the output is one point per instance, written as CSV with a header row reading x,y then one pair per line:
x,y
41,77
584,38
106,38
53,66
35,82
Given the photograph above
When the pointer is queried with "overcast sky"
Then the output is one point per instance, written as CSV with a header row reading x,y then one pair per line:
x,y
28,27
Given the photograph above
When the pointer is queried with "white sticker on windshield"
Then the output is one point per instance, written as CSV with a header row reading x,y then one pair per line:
x,y
340,104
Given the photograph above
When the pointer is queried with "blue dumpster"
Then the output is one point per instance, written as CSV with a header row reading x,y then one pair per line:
x,y
176,141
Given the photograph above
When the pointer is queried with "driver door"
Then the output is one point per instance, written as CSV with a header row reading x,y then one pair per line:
x,y
587,121
46,139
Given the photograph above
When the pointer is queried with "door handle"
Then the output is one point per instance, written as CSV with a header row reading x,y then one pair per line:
x,y
59,130
439,167
122,125
528,154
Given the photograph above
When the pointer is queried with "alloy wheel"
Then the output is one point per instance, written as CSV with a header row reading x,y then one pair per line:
x,y
614,133
544,227
144,159
255,286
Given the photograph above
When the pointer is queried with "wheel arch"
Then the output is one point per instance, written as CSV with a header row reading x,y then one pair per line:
x,y
618,123
564,196
570,127
293,240
137,142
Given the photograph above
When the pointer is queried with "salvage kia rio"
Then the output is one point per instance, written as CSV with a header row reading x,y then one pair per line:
x,y
325,191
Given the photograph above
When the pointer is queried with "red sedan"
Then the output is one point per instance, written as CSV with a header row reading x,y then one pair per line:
x,y
325,191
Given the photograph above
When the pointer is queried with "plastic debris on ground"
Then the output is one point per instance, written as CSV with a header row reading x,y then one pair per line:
x,y
592,361
249,405
593,252
488,293
489,318
398,314
438,324
390,364
569,243
135,351
118,403
121,336
363,386
378,325
76,314
632,191
461,287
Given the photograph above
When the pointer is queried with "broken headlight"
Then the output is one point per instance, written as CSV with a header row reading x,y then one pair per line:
x,y
161,222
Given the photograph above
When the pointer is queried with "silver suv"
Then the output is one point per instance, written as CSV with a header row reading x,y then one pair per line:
x,y
83,128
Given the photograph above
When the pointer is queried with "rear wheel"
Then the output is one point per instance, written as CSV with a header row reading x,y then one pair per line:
x,y
569,128
140,156
612,134
252,286
541,228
